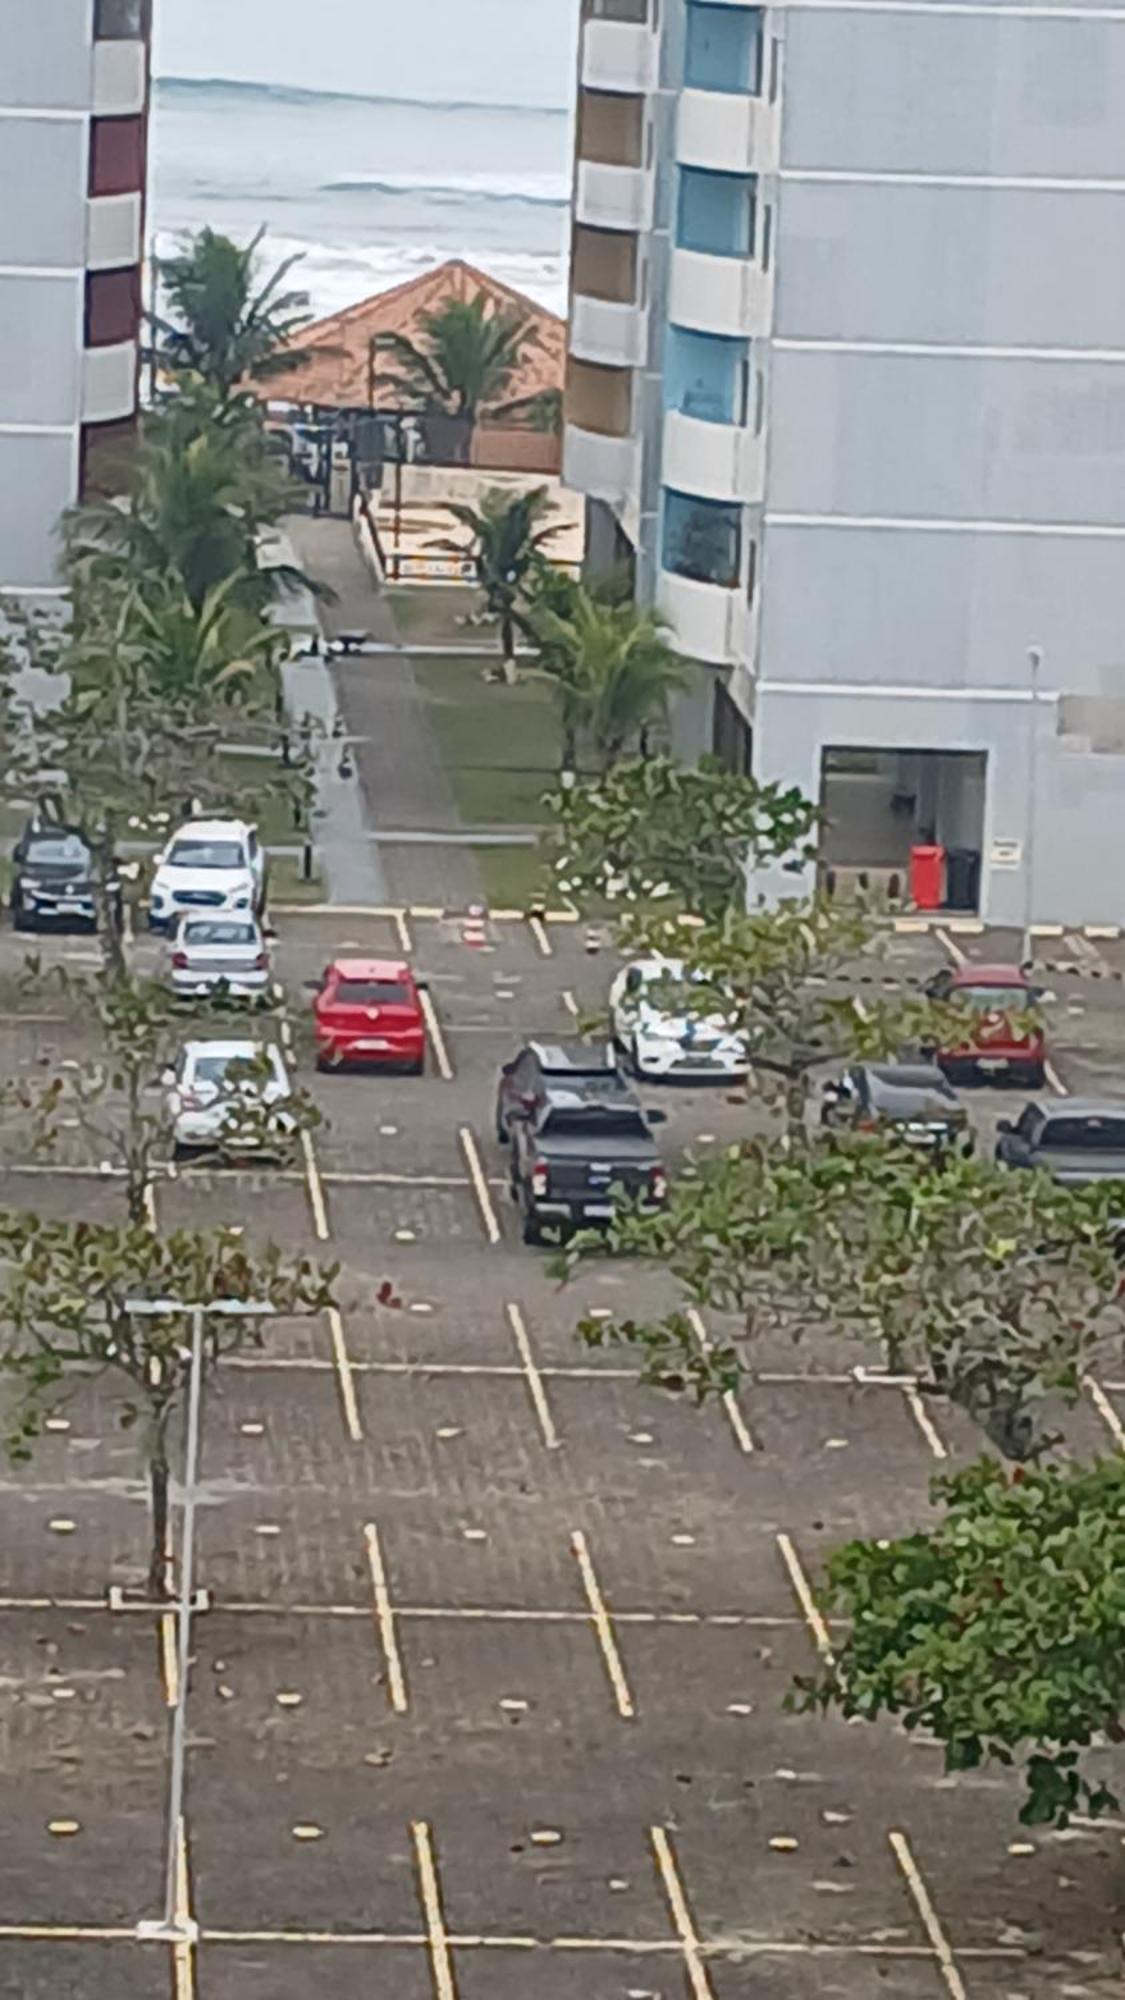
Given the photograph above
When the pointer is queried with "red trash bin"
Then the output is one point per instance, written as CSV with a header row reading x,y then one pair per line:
x,y
927,877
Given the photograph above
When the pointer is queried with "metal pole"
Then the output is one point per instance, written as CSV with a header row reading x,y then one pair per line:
x,y
1035,663
187,1590
398,496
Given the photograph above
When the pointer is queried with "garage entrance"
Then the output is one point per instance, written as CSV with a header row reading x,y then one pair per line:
x,y
878,804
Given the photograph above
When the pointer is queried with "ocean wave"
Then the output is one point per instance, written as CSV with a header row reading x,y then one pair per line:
x,y
283,93
534,190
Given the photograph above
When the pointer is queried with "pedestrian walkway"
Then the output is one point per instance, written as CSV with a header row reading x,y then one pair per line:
x,y
402,779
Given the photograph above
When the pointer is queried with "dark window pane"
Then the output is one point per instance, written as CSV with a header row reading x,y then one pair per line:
x,y
702,539
113,307
121,20
117,155
373,993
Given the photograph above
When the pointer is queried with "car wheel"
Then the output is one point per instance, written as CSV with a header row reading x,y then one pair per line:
x,y
532,1230
1036,1077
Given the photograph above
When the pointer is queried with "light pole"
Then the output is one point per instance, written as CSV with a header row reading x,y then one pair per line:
x,y
1034,664
170,1928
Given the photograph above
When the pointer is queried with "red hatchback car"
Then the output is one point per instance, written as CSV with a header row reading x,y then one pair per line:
x,y
1008,1040
367,1010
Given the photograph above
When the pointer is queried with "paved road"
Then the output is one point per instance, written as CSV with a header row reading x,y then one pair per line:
x,y
489,1702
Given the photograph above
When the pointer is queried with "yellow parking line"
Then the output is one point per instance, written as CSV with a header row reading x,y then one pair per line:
x,y
1105,1410
437,1039
385,1619
480,1186
183,1954
169,1659
697,1974
604,1628
316,1189
735,1418
931,1923
924,1421
441,1964
802,1590
344,1375
534,1379
402,928
539,932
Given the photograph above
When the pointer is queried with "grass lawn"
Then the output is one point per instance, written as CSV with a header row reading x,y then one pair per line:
x,y
287,884
436,614
514,877
500,745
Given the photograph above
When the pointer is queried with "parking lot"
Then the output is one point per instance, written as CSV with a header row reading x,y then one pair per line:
x,y
486,1701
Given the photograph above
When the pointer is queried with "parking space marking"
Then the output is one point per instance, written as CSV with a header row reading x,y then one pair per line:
x,y
341,1362
441,1964
436,1037
1054,1080
402,931
385,1619
533,1377
690,1945
931,1922
924,1420
488,1213
151,1217
541,935
183,1951
729,1400
802,1590
316,1189
603,1627
954,951
1105,1410
569,1002
169,1659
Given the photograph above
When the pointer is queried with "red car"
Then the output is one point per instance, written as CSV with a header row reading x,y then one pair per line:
x,y
367,1010
1007,1041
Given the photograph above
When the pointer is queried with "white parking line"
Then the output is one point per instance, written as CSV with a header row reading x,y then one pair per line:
x,y
343,1367
931,1923
924,1421
599,1614
955,952
802,1590
541,935
534,1380
1105,1410
480,1186
1054,1080
402,928
385,1619
437,1039
734,1415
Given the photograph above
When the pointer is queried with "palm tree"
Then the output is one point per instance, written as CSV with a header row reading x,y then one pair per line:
x,y
465,360
226,326
506,551
221,655
613,670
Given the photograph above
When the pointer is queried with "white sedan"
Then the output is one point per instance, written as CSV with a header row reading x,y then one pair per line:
x,y
229,1097
219,954
663,1041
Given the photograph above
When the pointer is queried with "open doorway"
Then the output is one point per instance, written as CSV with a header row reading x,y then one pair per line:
x,y
878,804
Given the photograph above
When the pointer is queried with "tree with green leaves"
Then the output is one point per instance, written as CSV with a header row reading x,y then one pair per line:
x,y
992,1289
65,1292
508,533
227,322
675,837
997,1632
612,668
464,360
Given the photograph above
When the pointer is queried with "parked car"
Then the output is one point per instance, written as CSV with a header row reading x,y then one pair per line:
x,y
525,1081
209,864
663,1041
228,1097
211,955
1078,1142
582,1146
53,878
913,1101
368,1010
1009,1040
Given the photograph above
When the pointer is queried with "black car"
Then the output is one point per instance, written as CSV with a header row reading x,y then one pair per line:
x,y
913,1100
525,1081
1079,1142
53,876
582,1146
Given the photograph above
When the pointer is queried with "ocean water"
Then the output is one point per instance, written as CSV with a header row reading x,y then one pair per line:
x,y
369,190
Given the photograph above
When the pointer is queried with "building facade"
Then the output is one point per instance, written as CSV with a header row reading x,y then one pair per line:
x,y
74,92
847,384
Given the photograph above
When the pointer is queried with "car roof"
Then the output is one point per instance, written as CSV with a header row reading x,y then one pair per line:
x,y
208,829
1081,1107
908,1076
585,1090
51,829
239,1050
371,968
971,974
567,1058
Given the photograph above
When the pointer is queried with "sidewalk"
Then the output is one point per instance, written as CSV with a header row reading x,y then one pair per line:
x,y
402,779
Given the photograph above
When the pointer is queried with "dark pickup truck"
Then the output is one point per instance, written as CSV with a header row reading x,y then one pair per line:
x,y
576,1152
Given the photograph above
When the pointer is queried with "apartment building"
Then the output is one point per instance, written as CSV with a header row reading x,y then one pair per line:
x,y
74,90
847,385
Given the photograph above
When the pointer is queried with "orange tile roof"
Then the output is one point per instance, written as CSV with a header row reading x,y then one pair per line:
x,y
339,373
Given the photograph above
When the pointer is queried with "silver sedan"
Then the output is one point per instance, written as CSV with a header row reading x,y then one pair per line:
x,y
213,954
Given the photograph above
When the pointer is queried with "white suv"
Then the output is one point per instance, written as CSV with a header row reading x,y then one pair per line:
x,y
209,864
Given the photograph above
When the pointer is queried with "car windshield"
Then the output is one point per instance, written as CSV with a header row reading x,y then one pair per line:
x,y
216,1069
206,854
1085,1135
596,1121
216,933
995,999
57,847
373,993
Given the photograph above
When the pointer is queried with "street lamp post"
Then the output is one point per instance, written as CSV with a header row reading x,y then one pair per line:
x,y
169,1928
1035,665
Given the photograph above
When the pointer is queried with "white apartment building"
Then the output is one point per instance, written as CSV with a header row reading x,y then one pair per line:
x,y
847,385
74,91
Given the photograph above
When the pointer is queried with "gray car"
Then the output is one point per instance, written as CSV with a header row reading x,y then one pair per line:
x,y
1078,1143
913,1101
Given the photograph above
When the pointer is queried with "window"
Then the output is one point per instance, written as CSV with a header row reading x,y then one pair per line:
x,y
219,933
716,212
113,307
206,854
706,376
121,20
703,539
56,849
595,1121
724,48
117,155
373,993
1085,1135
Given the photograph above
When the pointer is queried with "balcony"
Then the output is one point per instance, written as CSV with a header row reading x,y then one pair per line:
x,y
718,461
109,383
708,623
613,197
618,55
113,230
603,466
727,132
728,295
120,79
606,331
